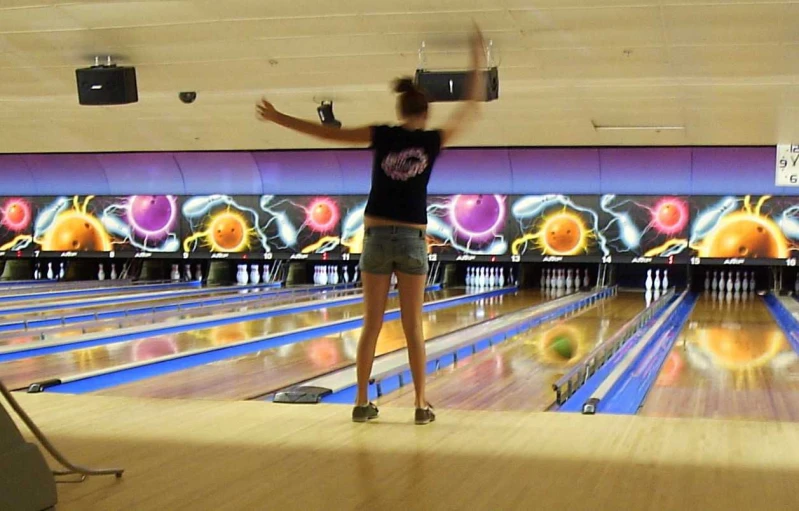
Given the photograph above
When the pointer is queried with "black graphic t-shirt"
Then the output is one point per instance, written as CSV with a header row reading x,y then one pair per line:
x,y
403,160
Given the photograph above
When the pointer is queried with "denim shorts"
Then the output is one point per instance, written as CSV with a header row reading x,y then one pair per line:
x,y
387,249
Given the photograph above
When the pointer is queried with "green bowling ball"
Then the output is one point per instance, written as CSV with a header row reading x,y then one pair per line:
x,y
562,347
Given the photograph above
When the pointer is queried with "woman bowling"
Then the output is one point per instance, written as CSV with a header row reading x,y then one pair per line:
x,y
395,218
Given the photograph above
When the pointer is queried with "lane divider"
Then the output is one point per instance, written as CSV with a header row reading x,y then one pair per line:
x,y
391,370
95,290
37,348
626,386
127,373
786,312
227,297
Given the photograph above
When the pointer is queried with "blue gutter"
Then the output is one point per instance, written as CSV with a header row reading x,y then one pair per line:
x,y
576,401
785,320
89,316
159,368
21,283
97,290
112,338
629,393
395,382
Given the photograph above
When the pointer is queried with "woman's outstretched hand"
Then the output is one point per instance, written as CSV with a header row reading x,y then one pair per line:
x,y
266,111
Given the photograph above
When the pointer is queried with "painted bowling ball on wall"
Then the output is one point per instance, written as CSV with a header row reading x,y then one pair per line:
x,y
15,215
227,232
322,215
152,216
477,217
563,234
670,215
745,235
76,231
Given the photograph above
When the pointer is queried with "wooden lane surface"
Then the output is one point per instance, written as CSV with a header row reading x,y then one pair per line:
x,y
145,302
261,373
105,325
203,455
518,374
23,372
731,361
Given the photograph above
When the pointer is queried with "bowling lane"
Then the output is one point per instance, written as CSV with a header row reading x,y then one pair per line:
x,y
518,374
102,325
25,371
261,373
116,292
730,361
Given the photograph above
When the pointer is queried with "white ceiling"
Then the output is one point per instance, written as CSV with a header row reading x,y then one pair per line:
x,y
726,70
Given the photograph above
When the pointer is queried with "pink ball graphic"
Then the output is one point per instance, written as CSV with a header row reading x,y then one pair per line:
x,y
477,217
152,216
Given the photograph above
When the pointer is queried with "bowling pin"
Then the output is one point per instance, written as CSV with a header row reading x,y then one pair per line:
x,y
113,272
648,282
36,272
100,273
707,281
175,275
322,276
346,274
50,271
737,283
656,283
355,276
336,278
714,283
569,280
729,282
752,282
255,274
665,280
502,277
492,278
62,271
745,284
586,280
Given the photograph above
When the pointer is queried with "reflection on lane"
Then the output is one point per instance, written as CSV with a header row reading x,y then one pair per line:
x,y
730,361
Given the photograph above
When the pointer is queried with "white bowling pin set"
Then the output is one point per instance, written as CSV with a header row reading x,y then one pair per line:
x,y
327,275
563,279
731,283
252,274
487,278
657,283
52,273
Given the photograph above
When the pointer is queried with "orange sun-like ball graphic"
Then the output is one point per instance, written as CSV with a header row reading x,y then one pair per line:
x,y
747,235
739,349
76,231
227,232
563,234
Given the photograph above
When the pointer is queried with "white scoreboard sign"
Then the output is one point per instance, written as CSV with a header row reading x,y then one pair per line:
x,y
788,165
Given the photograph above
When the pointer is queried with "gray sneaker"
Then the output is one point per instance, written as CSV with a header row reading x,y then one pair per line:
x,y
425,415
364,413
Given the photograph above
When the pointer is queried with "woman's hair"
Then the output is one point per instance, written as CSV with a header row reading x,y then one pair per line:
x,y
412,100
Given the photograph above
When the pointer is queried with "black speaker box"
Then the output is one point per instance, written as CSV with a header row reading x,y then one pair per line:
x,y
442,86
107,85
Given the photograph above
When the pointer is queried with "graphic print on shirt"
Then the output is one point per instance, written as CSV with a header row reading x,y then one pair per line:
x,y
406,164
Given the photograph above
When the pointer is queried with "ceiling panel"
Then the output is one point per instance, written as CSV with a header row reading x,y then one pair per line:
x,y
722,68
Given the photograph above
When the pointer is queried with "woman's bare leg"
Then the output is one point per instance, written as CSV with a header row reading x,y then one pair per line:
x,y
375,295
411,294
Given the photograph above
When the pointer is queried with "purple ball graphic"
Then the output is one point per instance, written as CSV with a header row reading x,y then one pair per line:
x,y
477,217
152,216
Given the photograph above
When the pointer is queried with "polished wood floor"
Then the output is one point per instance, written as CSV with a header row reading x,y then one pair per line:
x,y
21,373
233,456
267,371
730,361
518,374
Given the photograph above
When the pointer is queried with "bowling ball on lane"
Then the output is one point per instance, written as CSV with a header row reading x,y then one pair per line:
x,y
76,232
745,235
152,213
562,347
227,232
562,233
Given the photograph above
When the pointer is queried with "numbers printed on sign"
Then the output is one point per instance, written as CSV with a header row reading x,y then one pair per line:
x,y
607,259
35,253
345,257
516,258
695,260
432,257
791,261
269,256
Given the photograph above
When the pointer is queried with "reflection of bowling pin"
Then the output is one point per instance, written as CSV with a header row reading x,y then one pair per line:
x,y
50,271
656,283
648,283
648,296
255,274
100,273
665,280
62,271
113,272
